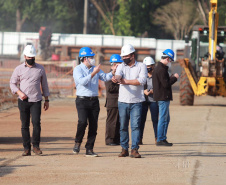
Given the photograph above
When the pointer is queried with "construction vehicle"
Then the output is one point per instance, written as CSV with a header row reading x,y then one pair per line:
x,y
204,75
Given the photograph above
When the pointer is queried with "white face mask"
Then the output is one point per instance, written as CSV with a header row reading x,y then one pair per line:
x,y
169,64
92,61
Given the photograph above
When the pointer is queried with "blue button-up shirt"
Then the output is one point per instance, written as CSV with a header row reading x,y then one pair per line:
x,y
85,85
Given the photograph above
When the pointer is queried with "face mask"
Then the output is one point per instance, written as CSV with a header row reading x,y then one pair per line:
x,y
30,61
149,69
127,61
169,64
92,61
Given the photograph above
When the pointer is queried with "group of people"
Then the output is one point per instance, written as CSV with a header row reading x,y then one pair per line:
x,y
131,89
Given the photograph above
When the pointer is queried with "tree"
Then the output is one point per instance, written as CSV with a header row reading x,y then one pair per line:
x,y
60,15
204,7
107,10
177,17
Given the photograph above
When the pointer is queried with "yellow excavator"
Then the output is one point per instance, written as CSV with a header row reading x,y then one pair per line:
x,y
206,74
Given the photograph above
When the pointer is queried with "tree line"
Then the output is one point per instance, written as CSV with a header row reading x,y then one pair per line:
x,y
163,19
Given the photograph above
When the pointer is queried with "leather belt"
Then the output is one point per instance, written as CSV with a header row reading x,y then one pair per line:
x,y
88,98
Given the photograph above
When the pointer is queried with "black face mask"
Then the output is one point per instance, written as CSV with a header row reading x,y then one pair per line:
x,y
149,69
30,61
127,61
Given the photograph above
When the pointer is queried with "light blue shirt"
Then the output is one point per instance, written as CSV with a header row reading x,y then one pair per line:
x,y
85,85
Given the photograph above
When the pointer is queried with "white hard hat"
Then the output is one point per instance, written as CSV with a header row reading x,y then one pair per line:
x,y
30,51
148,61
127,49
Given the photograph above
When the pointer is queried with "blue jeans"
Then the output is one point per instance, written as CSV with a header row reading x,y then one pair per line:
x,y
154,109
129,111
164,119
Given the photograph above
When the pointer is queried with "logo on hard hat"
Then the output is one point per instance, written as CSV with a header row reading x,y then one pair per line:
x,y
83,53
114,59
170,54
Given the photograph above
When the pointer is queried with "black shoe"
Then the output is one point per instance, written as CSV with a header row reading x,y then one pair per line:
x,y
164,143
76,148
90,153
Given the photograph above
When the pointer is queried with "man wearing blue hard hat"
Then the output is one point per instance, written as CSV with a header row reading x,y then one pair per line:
x,y
86,76
112,136
162,93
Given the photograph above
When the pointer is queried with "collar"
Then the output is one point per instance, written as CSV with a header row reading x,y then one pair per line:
x,y
85,67
163,65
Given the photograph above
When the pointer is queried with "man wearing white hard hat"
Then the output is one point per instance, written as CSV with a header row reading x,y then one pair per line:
x,y
149,103
132,76
29,81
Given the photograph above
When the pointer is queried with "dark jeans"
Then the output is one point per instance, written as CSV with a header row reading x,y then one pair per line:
x,y
112,126
88,110
34,109
154,109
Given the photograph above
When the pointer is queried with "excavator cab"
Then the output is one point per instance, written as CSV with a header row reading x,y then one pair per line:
x,y
199,51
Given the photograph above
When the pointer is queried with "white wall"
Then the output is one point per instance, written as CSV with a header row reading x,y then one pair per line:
x,y
11,40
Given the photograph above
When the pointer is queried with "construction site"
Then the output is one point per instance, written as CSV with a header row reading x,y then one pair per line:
x,y
197,125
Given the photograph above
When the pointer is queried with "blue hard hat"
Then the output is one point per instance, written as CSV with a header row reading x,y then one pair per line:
x,y
169,53
116,58
86,52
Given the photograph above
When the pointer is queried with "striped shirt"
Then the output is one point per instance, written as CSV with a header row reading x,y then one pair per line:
x,y
132,93
31,81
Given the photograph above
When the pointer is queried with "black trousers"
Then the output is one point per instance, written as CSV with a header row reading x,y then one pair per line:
x,y
30,110
88,112
112,134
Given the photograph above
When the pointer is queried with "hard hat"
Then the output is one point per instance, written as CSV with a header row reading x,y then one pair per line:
x,y
127,49
86,52
148,61
116,58
30,51
169,53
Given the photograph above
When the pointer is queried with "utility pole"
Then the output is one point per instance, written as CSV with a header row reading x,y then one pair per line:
x,y
85,16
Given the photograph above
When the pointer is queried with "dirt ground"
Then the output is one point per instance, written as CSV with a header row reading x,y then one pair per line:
x,y
198,155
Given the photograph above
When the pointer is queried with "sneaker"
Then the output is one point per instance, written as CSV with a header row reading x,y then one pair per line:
x,y
135,154
156,140
37,151
90,153
164,143
124,153
26,152
76,148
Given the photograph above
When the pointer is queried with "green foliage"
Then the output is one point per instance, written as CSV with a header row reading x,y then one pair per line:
x,y
128,17
60,15
222,12
123,19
